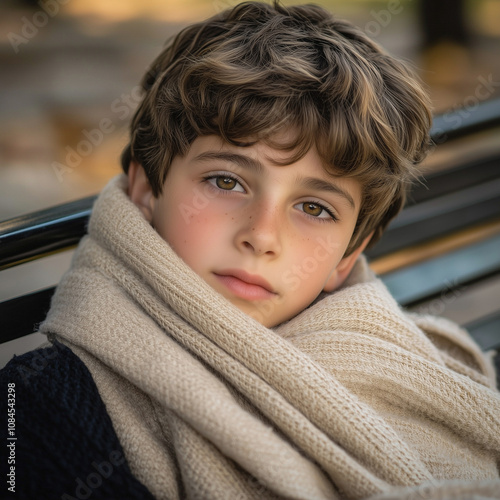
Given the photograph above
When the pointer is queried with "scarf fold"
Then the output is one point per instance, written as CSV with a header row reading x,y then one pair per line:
x,y
351,398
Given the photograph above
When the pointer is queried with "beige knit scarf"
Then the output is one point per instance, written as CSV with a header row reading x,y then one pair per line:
x,y
351,398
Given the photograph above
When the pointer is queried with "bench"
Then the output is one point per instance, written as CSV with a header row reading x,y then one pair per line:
x,y
440,255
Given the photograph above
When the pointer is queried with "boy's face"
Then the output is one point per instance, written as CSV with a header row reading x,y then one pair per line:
x,y
269,238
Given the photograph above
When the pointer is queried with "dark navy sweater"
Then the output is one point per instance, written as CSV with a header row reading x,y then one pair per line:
x,y
65,446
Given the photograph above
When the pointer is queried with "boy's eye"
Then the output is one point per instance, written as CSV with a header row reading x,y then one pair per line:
x,y
312,209
225,183
316,210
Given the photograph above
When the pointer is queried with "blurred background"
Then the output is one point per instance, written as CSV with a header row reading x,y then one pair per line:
x,y
70,70
69,74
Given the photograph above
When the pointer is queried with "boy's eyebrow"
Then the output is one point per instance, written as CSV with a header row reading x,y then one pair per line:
x,y
241,160
322,185
247,162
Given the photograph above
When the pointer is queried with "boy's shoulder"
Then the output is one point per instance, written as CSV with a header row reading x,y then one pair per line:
x,y
65,442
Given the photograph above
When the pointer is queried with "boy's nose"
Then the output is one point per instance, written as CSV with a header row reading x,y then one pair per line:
x,y
259,232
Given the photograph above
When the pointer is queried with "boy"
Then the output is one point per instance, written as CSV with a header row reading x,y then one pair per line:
x,y
219,334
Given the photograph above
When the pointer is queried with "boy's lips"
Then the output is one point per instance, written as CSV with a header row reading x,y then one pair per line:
x,y
245,285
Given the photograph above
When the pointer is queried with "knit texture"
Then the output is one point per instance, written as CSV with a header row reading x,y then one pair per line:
x,y
351,398
66,446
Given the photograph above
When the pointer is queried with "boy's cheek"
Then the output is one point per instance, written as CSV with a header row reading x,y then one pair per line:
x,y
195,232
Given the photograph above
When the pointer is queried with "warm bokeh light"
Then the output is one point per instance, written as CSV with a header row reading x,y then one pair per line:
x,y
178,11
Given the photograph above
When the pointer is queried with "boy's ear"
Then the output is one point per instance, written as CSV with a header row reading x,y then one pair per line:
x,y
140,190
344,267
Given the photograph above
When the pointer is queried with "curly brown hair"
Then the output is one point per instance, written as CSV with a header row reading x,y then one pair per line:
x,y
257,69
